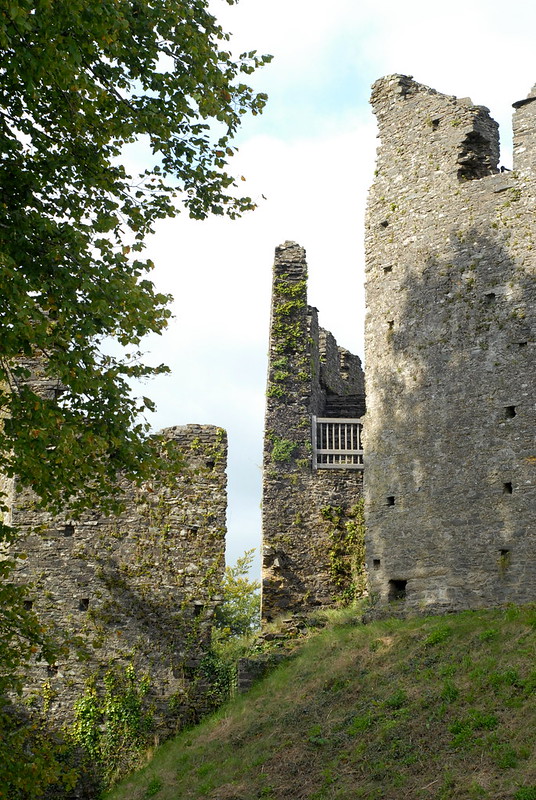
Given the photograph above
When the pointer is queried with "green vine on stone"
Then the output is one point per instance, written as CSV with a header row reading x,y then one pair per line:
x,y
282,449
346,554
112,724
285,327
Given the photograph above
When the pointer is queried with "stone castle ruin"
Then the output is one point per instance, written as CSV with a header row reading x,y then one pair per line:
x,y
445,454
449,432
450,451
313,461
133,590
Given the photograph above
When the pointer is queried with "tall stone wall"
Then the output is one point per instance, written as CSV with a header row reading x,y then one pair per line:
x,y
138,588
450,450
307,374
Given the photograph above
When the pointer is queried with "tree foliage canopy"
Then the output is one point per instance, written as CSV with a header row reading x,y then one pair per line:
x,y
80,80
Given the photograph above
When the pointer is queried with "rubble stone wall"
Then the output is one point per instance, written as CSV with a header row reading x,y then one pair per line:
x,y
307,374
450,451
138,588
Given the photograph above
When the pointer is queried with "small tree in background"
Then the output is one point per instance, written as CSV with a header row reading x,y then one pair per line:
x,y
240,612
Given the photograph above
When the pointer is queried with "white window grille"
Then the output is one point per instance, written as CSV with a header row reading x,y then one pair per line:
x,y
337,443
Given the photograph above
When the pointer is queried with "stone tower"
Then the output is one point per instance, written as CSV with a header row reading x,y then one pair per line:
x,y
450,285
307,494
135,589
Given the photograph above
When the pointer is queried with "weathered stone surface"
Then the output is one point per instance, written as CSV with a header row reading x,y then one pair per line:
x,y
138,588
449,437
308,374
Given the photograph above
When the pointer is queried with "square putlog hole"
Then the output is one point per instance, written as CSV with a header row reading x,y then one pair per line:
x,y
397,590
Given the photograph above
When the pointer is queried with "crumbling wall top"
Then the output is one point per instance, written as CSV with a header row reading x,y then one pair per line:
x,y
341,372
426,132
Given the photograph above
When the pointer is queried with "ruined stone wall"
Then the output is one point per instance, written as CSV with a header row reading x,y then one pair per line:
x,y
138,588
308,374
450,450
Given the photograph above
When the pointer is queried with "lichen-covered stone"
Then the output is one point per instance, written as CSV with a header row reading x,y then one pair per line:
x,y
138,588
308,374
450,451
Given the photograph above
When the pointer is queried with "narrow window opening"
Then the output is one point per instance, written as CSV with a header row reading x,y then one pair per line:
x,y
504,560
198,609
397,590
83,604
52,669
522,344
388,269
510,412
490,297
391,500
28,605
435,124
210,464
376,563
68,530
391,324
507,488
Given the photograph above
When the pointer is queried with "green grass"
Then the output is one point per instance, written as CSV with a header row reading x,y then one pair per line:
x,y
437,708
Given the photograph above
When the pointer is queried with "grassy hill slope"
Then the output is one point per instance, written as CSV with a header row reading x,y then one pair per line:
x,y
435,707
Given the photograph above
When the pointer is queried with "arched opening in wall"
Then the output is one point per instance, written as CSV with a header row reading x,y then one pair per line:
x,y
397,590
510,412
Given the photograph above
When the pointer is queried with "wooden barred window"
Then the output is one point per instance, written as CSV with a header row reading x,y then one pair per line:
x,y
337,443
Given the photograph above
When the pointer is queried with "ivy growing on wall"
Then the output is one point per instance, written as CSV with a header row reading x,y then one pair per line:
x,y
282,449
287,329
346,553
113,725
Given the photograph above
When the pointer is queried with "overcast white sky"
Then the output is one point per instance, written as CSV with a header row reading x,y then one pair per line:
x,y
312,155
